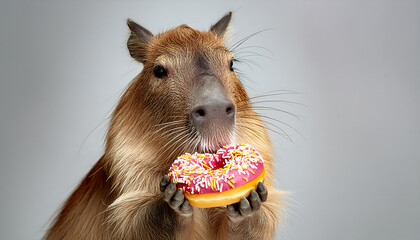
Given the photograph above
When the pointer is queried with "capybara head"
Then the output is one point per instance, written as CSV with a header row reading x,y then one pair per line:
x,y
187,98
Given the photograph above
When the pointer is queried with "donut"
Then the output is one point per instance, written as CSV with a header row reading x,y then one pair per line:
x,y
214,180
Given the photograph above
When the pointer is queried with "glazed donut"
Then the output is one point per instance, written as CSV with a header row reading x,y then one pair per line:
x,y
214,180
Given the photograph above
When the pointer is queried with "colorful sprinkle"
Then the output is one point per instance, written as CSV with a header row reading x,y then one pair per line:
x,y
203,173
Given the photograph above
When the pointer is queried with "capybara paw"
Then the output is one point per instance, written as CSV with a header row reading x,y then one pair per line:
x,y
175,198
249,205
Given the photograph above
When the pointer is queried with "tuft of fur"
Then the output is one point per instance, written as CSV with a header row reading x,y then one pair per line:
x,y
120,197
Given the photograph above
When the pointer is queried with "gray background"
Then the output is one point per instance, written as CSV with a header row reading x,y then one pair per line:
x,y
354,174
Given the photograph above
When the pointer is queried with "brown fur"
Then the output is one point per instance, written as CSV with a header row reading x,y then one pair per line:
x,y
120,197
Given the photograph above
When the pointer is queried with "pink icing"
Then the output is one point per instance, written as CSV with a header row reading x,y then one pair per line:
x,y
232,166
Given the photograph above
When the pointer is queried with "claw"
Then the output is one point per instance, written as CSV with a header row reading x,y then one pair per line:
x,y
169,192
247,206
178,199
244,207
164,182
232,212
186,207
255,200
175,198
262,191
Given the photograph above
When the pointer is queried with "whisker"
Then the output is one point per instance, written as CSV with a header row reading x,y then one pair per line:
x,y
187,138
251,131
241,76
240,42
248,62
278,100
179,133
240,55
166,133
278,110
169,123
171,143
268,128
281,123
189,145
271,94
170,131
253,46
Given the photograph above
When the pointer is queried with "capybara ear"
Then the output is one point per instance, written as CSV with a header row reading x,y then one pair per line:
x,y
221,26
138,41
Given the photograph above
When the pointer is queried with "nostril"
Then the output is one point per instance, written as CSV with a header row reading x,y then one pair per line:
x,y
230,111
200,113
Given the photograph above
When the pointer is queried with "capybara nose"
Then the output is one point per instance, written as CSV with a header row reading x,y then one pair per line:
x,y
212,108
220,112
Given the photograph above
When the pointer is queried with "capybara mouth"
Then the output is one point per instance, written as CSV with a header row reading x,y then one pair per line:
x,y
210,149
211,146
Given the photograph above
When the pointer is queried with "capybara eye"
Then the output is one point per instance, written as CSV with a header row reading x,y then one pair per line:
x,y
159,71
231,66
